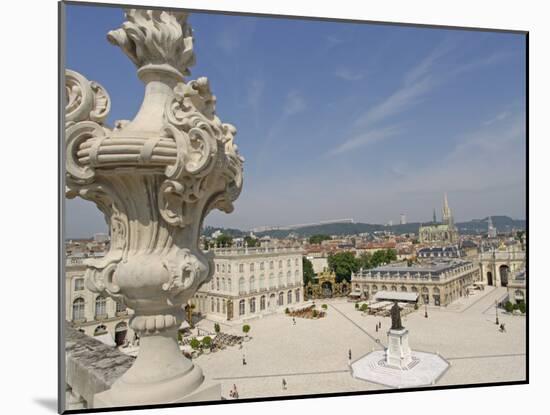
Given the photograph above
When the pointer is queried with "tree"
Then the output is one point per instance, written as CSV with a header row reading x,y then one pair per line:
x,y
317,239
308,274
343,264
364,261
195,344
522,307
509,307
251,242
364,307
207,342
246,329
217,328
383,256
224,240
324,306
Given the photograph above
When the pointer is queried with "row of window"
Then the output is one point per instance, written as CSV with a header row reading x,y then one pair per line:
x,y
100,310
219,305
252,266
222,284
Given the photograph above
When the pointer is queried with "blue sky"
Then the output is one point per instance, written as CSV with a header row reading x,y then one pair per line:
x,y
341,120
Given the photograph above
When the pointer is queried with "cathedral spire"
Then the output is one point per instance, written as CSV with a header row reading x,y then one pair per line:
x,y
434,217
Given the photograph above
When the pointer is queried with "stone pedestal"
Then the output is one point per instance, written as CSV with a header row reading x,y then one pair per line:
x,y
398,353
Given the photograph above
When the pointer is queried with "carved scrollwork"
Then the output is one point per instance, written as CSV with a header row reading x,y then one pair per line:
x,y
184,271
85,100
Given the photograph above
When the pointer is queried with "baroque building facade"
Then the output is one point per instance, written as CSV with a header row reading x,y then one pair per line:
x,y
438,283
440,233
92,313
250,282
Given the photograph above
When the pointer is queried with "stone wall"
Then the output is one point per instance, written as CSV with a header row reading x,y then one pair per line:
x,y
91,367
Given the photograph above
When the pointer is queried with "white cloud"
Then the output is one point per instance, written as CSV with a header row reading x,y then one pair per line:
x,y
499,117
255,92
294,103
362,139
348,75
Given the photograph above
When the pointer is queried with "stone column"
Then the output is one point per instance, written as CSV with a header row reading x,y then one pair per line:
x,y
155,178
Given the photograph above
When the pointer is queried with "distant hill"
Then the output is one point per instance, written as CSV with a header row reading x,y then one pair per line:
x,y
475,226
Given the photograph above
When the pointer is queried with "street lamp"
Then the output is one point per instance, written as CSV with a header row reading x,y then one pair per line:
x,y
496,312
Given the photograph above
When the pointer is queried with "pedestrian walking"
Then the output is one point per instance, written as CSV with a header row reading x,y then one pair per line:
x,y
377,328
244,360
349,354
293,320
284,384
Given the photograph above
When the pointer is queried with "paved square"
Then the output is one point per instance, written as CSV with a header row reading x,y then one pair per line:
x,y
312,356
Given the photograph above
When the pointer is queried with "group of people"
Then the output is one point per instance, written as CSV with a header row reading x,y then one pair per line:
x,y
233,393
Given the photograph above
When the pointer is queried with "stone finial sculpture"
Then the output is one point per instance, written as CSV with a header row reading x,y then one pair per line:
x,y
155,178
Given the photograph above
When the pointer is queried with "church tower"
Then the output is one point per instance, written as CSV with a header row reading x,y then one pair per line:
x,y
447,214
434,217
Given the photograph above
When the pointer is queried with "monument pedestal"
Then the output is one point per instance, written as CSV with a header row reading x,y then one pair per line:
x,y
398,353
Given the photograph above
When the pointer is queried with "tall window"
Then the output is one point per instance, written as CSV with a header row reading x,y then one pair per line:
x,y
223,306
229,284
212,304
261,266
218,284
120,307
241,308
217,305
281,298
280,263
253,305
262,302
288,277
262,282
223,285
252,267
252,283
241,267
241,285
79,284
298,296
217,267
280,279
271,281
288,263
78,309
270,264
228,267
100,306
289,297
296,261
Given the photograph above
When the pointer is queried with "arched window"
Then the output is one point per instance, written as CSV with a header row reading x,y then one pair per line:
x,y
79,284
100,307
384,288
218,284
297,292
252,305
241,285
241,308
262,282
289,297
374,289
271,281
99,330
403,288
78,309
414,289
229,284
281,298
252,283
262,302
393,288
217,305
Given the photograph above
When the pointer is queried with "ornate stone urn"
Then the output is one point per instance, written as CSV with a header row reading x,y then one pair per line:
x,y
155,178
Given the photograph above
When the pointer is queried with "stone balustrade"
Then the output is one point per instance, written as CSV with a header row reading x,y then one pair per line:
x,y
91,367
